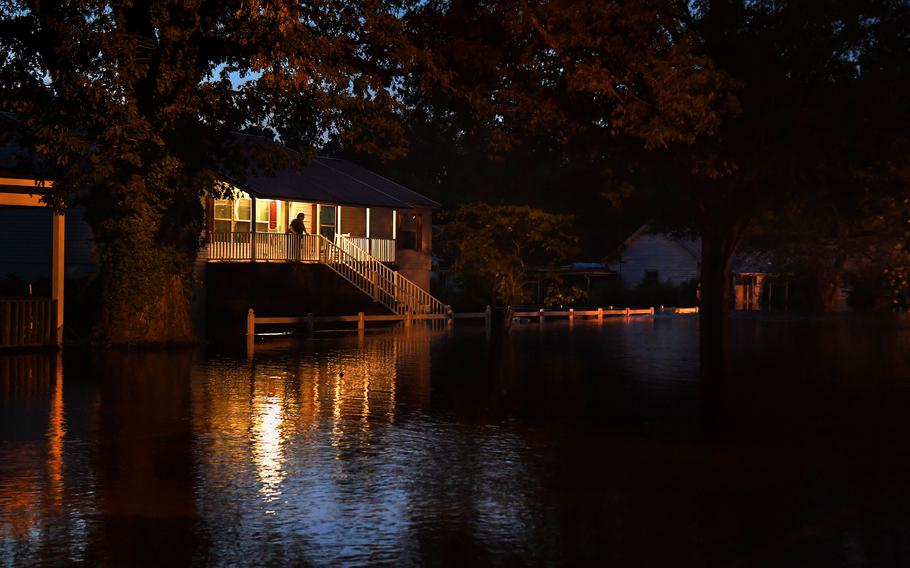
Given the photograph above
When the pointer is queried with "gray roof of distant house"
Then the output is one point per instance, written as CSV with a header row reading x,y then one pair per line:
x,y
333,180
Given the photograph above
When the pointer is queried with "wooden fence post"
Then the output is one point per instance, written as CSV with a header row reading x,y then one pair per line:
x,y
310,323
540,315
627,312
488,316
360,321
652,311
407,318
571,314
253,232
600,315
450,316
250,331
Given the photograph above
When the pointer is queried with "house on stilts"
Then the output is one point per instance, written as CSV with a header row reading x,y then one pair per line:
x,y
367,245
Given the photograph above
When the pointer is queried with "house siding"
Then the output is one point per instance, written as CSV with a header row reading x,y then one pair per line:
x,y
25,243
672,261
416,265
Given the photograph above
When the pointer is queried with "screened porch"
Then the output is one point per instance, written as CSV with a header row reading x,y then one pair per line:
x,y
247,228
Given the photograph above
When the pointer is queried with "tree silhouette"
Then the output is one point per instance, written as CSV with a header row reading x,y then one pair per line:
x,y
132,103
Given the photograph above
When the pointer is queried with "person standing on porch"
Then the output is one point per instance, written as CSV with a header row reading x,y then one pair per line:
x,y
297,225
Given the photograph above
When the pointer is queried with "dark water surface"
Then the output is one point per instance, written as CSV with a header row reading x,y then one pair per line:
x,y
582,445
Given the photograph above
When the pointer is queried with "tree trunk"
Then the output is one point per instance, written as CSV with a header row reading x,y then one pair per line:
x,y
146,270
502,319
144,303
829,283
717,250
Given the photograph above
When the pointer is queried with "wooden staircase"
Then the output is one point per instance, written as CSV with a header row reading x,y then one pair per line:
x,y
374,278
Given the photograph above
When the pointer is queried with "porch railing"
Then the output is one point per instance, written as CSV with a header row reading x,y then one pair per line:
x,y
286,247
382,250
27,322
228,246
270,247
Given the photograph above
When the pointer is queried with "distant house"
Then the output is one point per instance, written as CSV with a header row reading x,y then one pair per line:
x,y
651,256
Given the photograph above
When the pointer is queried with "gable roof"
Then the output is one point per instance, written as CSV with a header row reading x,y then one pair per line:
x,y
690,246
745,261
333,180
321,179
327,180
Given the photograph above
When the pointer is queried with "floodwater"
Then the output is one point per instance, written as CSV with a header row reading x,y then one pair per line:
x,y
561,445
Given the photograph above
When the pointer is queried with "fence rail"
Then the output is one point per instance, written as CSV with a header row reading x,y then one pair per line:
x,y
449,316
27,322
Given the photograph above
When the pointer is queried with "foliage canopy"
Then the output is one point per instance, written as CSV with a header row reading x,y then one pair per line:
x,y
495,246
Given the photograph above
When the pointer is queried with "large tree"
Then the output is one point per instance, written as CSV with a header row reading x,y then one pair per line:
x,y
821,135
588,89
132,104
495,247
715,113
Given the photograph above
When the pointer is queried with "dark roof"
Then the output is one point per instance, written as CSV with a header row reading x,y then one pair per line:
x,y
326,180
333,180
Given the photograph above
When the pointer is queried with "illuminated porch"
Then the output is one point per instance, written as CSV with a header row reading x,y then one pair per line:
x,y
234,237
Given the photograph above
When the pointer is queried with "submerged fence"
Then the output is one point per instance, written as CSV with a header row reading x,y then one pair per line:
x,y
449,316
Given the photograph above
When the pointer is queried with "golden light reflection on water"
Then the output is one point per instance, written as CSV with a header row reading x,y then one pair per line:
x,y
268,440
343,394
55,433
26,498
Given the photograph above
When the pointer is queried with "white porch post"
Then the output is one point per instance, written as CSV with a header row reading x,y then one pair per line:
x,y
252,229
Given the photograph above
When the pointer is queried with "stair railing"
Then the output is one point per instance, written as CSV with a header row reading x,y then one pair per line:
x,y
385,285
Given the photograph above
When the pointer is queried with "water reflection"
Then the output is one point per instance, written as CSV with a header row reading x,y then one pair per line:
x,y
318,425
36,518
55,433
579,445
